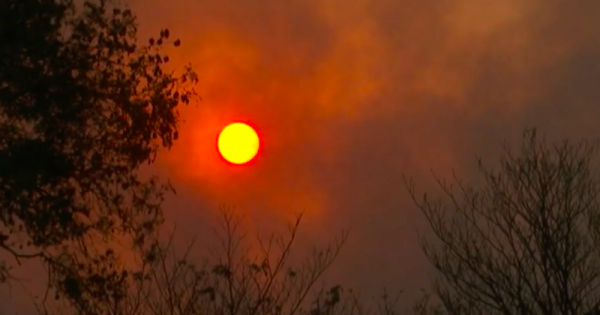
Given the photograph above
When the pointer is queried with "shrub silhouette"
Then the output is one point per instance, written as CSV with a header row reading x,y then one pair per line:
x,y
243,276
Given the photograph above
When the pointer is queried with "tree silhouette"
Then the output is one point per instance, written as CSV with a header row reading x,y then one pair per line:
x,y
251,276
243,276
82,107
526,241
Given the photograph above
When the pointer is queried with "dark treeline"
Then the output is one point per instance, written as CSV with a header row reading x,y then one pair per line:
x,y
84,104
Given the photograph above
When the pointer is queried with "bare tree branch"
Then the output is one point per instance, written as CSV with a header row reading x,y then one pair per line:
x,y
526,241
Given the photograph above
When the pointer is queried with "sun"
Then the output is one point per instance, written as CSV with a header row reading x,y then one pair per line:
x,y
238,143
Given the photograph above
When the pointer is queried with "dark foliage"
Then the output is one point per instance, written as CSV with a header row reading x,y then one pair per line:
x,y
82,106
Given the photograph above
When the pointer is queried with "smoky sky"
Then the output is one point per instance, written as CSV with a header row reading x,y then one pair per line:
x,y
349,95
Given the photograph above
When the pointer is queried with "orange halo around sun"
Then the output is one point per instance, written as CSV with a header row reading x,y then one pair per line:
x,y
238,143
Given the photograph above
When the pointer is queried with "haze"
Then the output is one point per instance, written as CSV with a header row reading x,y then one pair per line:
x,y
350,95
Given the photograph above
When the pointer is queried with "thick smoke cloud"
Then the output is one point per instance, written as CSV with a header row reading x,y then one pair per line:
x,y
351,95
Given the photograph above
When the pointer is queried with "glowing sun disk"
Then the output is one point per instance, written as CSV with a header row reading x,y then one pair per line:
x,y
238,143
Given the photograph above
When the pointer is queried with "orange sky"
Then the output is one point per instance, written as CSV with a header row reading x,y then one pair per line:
x,y
349,95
